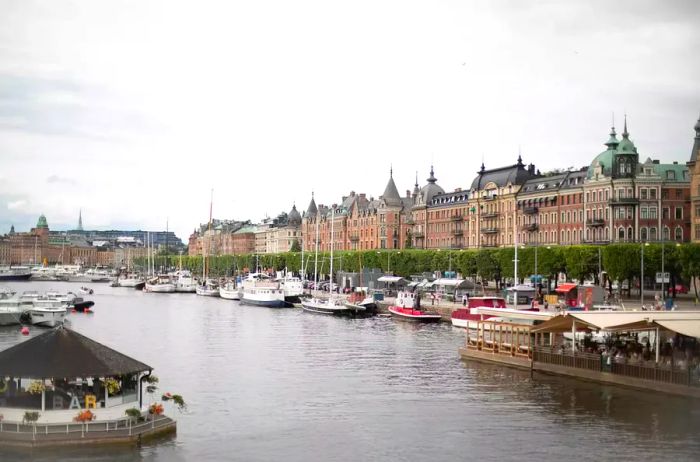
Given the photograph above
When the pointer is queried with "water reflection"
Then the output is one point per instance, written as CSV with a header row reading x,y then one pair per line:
x,y
283,384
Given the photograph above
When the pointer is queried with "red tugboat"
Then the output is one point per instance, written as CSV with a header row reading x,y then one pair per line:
x,y
467,317
407,308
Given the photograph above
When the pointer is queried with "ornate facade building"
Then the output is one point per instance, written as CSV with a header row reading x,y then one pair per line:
x,y
694,167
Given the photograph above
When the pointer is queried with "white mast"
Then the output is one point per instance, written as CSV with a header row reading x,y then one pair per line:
x,y
330,284
515,270
318,217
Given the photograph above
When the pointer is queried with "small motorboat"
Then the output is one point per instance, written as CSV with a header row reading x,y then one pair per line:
x,y
468,317
407,308
82,306
86,291
361,302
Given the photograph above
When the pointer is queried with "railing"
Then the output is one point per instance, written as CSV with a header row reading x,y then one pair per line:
x,y
456,218
580,360
531,227
486,216
499,338
489,230
530,210
596,362
623,201
458,232
418,234
124,426
354,237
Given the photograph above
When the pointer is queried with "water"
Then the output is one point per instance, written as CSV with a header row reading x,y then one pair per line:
x,y
265,384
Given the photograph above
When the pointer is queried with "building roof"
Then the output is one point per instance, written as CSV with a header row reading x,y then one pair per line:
x,y
64,353
391,195
696,145
246,230
430,190
294,217
42,222
312,210
513,174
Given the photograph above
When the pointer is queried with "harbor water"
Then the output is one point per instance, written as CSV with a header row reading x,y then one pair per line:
x,y
264,384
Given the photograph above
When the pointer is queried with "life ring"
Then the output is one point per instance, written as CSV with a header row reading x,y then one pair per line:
x,y
3,386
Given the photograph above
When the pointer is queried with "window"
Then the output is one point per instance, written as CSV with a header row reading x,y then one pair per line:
x,y
629,234
666,213
644,193
679,213
697,232
667,233
652,213
679,194
644,213
588,196
670,175
643,234
697,210
652,193
679,233
652,234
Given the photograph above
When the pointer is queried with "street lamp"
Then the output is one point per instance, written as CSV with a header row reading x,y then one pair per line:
x,y
641,279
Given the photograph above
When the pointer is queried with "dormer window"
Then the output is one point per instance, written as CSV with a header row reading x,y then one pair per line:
x,y
670,175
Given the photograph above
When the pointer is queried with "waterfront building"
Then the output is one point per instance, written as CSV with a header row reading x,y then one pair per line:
x,y
694,167
492,204
429,206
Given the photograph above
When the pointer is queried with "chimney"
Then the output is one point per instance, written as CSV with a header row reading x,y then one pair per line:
x,y
675,162
458,189
408,193
362,195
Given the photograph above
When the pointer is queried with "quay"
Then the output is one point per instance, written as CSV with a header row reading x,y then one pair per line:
x,y
544,349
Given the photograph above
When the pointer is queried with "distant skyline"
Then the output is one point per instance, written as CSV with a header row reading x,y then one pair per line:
x,y
134,110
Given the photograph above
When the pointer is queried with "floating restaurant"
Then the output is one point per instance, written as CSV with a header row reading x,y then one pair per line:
x,y
62,388
652,350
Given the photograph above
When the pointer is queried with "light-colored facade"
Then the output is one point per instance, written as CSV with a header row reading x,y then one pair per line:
x,y
694,167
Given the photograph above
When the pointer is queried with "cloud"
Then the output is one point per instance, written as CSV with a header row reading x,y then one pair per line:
x,y
16,205
58,179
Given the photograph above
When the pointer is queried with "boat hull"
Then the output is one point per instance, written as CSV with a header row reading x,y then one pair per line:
x,y
84,305
15,277
414,315
47,318
229,294
207,292
130,282
185,288
159,288
10,318
317,308
276,303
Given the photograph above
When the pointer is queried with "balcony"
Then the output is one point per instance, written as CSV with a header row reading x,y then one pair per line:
x,y
458,232
490,197
595,222
354,237
489,215
530,210
489,230
624,201
418,234
456,218
531,227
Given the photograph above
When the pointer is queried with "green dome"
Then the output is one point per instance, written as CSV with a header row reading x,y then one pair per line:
x,y
42,222
626,146
606,161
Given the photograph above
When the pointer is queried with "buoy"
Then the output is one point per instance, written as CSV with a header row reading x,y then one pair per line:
x,y
25,330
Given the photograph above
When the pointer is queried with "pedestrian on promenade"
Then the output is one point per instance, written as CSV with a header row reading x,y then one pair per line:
x,y
432,298
465,299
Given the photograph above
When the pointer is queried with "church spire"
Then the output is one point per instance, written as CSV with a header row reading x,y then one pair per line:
x,y
625,133
80,220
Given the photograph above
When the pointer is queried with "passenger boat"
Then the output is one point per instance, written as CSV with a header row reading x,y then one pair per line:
x,y
18,273
210,288
407,308
468,317
259,290
159,284
293,288
229,291
44,273
130,280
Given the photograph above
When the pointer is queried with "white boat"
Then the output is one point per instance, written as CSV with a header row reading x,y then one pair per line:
x,y
44,273
184,282
47,312
17,273
230,291
6,293
160,284
85,291
10,312
293,288
65,297
210,288
29,296
130,280
259,290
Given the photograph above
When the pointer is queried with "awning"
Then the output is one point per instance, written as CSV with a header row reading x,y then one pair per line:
x,y
448,282
688,327
565,288
508,313
683,322
390,279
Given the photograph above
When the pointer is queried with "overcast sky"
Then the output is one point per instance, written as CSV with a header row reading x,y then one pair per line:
x,y
135,110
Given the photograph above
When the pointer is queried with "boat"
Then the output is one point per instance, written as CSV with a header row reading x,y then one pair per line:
x,y
159,284
6,293
18,273
230,291
47,312
468,317
334,305
293,288
86,291
210,288
44,273
407,307
10,312
81,305
360,301
259,290
130,280
184,282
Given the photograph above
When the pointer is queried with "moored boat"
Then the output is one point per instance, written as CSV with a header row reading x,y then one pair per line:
x,y
229,291
407,307
159,284
332,305
18,273
10,312
468,317
361,302
210,288
259,290
293,288
47,312
184,282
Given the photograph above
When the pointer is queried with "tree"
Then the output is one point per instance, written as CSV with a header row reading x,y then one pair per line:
x,y
296,247
690,261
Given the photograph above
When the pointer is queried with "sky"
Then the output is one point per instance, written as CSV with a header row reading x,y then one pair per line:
x,y
134,111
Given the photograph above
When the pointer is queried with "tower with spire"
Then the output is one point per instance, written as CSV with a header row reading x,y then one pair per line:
x,y
694,167
80,220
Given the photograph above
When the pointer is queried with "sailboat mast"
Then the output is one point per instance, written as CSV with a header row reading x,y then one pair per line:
x,y
515,271
330,284
318,217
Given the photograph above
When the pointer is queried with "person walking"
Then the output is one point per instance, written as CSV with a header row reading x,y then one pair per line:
x,y
465,299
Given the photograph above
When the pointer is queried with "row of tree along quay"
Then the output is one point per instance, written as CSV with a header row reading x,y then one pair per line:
x,y
617,262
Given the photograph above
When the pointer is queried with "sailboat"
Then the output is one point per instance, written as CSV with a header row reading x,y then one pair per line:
x,y
333,305
208,287
230,290
156,283
360,300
